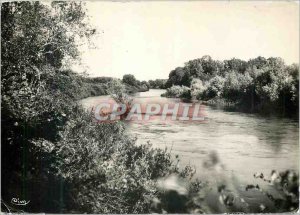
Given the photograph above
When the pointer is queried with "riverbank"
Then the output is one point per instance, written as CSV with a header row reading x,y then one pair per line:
x,y
262,110
99,86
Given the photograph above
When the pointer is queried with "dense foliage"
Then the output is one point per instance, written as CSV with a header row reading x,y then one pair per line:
x,y
257,85
157,83
97,86
133,85
37,94
53,153
177,92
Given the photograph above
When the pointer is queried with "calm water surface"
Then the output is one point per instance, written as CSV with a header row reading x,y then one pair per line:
x,y
243,143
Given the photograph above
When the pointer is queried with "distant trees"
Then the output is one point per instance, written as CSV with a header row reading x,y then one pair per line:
x,y
203,68
259,84
157,83
235,64
145,84
97,86
133,85
129,79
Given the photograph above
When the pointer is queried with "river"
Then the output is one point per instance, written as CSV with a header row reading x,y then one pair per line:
x,y
245,143
240,143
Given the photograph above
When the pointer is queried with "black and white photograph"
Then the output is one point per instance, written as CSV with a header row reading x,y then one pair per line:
x,y
149,107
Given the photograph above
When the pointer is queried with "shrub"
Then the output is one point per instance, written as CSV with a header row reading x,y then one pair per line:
x,y
197,88
129,79
113,174
178,92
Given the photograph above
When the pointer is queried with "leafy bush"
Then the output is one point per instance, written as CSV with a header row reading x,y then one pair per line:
x,y
178,92
113,174
197,88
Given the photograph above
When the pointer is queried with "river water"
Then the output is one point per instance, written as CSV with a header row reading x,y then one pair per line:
x,y
238,144
244,143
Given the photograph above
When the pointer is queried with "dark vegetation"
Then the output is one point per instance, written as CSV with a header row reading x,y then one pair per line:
x,y
258,85
157,83
52,152
97,86
288,183
132,85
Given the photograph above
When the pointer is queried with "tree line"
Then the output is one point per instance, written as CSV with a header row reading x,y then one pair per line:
x,y
265,85
98,86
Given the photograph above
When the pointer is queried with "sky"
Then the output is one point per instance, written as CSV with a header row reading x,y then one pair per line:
x,y
149,39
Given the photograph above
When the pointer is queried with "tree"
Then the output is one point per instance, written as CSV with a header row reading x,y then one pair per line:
x,y
37,42
258,62
145,84
129,79
195,68
235,64
214,87
177,77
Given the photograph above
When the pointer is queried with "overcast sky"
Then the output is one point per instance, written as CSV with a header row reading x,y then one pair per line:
x,y
149,39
